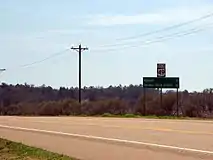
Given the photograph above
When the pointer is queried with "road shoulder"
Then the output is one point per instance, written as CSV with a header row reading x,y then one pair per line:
x,y
12,150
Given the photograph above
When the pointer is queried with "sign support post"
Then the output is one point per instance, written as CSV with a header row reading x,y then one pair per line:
x,y
161,98
144,101
177,103
161,73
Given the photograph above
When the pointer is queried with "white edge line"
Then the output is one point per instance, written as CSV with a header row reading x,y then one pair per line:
x,y
109,139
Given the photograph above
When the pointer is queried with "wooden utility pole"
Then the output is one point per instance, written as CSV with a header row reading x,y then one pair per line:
x,y
79,49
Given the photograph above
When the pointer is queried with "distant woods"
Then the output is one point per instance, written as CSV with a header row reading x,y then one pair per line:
x,y
119,100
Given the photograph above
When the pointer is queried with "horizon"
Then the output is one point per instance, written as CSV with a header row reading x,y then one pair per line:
x,y
104,87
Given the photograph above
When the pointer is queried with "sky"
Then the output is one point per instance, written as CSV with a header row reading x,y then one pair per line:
x,y
120,51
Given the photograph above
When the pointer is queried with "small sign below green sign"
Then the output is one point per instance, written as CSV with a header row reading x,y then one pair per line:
x,y
161,82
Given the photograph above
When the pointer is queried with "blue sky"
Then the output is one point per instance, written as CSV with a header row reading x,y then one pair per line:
x,y
33,30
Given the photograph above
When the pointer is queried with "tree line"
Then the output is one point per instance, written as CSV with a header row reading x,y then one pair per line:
x,y
116,100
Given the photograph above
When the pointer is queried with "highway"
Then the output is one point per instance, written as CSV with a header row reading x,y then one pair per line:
x,y
89,138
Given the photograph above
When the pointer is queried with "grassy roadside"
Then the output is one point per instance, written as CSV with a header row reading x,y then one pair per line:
x,y
152,117
108,115
16,151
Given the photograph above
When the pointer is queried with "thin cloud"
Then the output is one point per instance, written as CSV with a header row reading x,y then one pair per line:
x,y
176,15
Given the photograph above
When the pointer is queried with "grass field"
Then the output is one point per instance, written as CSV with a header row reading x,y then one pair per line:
x,y
16,151
153,117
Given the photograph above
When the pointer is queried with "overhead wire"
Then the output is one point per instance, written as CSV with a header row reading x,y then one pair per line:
x,y
158,31
157,39
168,28
129,43
38,61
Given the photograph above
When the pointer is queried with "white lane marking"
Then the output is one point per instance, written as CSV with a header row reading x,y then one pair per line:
x,y
110,139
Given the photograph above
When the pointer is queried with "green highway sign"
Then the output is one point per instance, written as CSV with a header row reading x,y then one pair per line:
x,y
161,82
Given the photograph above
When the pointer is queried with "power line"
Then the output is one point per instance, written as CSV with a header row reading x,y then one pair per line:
x,y
168,28
158,31
128,43
159,39
39,61
156,40
187,32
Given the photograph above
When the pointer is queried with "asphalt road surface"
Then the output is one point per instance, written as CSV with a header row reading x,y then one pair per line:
x,y
113,138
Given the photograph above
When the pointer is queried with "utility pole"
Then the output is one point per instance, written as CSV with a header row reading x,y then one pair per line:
x,y
79,49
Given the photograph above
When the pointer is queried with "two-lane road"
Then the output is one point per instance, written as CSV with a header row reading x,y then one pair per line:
x,y
114,138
